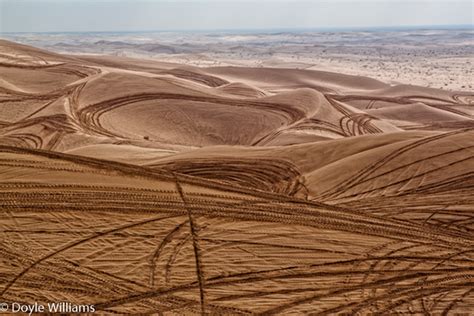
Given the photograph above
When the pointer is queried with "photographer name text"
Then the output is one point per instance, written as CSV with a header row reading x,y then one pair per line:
x,y
61,307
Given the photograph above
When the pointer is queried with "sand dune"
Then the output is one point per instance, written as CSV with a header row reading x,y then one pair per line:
x,y
146,187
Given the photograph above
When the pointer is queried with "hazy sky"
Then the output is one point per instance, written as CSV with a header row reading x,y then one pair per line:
x,y
136,15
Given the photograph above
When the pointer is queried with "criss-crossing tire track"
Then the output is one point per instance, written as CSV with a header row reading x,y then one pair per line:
x,y
182,203
272,175
90,115
365,173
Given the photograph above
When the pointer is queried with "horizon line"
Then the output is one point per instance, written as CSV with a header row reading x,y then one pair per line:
x,y
271,29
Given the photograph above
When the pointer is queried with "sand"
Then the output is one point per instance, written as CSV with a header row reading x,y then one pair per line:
x,y
148,187
438,57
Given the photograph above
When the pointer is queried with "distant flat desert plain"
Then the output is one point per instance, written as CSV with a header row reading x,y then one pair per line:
x,y
326,173
430,57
